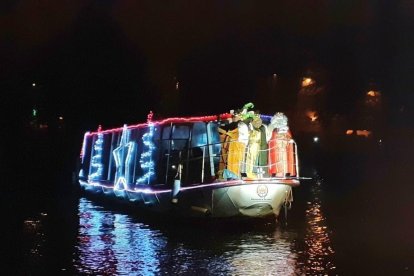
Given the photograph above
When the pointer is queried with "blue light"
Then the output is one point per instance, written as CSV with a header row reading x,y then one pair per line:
x,y
110,243
82,154
123,161
146,157
96,162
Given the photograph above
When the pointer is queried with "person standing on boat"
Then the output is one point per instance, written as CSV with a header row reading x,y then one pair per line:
x,y
256,160
238,138
281,149
264,148
228,133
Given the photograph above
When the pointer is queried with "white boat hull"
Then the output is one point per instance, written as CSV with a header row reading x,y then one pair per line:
x,y
251,200
255,199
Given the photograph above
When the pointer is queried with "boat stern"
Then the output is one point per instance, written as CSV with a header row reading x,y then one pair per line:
x,y
251,200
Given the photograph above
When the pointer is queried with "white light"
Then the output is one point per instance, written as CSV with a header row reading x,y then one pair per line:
x,y
316,139
33,84
146,157
96,169
123,163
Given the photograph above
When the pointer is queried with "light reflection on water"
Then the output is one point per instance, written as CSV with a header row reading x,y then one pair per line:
x,y
48,235
264,255
113,243
34,229
110,243
319,249
103,241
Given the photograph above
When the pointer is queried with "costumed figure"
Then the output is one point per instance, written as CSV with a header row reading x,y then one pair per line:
x,y
235,144
256,160
264,147
228,133
281,148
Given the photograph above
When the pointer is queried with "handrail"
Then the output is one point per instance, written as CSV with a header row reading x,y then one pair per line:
x,y
212,159
263,170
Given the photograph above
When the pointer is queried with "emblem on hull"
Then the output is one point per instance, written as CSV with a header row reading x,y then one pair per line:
x,y
262,190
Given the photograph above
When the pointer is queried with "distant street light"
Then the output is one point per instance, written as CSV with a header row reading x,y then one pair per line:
x,y
34,84
307,81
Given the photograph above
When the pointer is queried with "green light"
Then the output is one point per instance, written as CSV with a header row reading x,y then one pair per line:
x,y
34,112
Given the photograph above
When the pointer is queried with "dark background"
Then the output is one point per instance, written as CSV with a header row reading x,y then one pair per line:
x,y
111,62
104,62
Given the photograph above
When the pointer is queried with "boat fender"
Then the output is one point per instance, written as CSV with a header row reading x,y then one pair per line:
x,y
177,184
205,211
175,190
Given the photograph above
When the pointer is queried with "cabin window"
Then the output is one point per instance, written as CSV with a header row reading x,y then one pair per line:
x,y
214,137
194,157
135,141
164,153
172,149
106,155
99,156
165,142
124,155
157,150
166,132
199,135
180,136
95,164
181,132
84,172
116,136
214,147
157,133
146,155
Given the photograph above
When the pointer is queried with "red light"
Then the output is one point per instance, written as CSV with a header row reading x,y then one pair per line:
x,y
170,120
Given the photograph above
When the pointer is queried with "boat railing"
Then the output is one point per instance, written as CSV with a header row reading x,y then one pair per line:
x,y
205,163
278,161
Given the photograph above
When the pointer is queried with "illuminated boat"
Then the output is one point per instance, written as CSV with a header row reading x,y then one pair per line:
x,y
178,166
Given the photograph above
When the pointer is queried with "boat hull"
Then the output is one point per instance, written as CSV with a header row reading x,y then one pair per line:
x,y
254,199
251,200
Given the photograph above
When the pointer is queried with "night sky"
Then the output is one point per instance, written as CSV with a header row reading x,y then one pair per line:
x,y
110,62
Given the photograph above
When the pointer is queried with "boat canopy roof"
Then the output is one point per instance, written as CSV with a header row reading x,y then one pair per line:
x,y
210,118
243,113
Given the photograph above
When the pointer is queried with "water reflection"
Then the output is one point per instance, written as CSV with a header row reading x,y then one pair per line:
x,y
34,233
111,243
116,243
264,255
319,250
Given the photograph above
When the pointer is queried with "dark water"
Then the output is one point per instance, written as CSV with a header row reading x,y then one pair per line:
x,y
355,217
